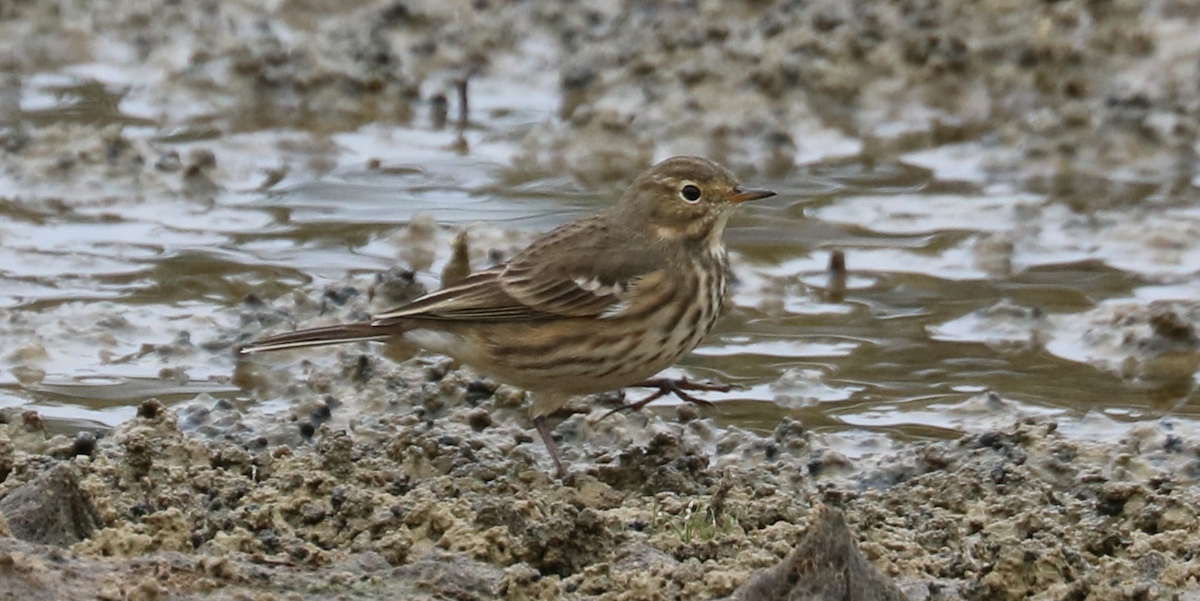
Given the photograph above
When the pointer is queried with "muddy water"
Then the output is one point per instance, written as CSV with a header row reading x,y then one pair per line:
x,y
966,300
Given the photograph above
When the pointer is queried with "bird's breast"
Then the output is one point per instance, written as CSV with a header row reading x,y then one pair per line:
x,y
669,317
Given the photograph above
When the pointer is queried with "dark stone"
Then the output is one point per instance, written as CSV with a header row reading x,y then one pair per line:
x,y
478,391
51,510
85,444
479,420
149,409
340,295
826,565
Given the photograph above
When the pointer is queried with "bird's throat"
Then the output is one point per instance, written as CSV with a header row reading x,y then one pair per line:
x,y
704,233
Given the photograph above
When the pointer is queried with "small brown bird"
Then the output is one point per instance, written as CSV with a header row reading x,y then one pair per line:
x,y
597,304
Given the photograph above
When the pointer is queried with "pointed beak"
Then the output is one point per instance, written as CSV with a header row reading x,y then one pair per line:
x,y
741,195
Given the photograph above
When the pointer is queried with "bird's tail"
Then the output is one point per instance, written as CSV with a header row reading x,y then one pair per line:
x,y
350,332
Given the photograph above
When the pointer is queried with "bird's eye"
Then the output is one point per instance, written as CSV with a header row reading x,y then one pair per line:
x,y
690,193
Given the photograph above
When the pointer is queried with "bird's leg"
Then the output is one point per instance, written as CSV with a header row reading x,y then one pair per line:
x,y
540,423
636,406
677,388
667,386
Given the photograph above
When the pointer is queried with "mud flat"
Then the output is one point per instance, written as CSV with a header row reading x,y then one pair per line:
x,y
453,499
376,474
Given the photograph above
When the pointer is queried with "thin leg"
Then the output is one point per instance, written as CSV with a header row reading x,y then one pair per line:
x,y
667,386
677,387
540,423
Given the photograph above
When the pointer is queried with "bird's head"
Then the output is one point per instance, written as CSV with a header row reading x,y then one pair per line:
x,y
685,198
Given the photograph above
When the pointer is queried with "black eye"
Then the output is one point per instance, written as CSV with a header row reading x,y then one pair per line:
x,y
690,193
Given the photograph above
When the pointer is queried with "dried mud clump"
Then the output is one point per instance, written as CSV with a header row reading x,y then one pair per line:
x,y
1026,512
427,506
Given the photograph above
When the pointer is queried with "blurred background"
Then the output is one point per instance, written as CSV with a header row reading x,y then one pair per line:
x,y
1012,185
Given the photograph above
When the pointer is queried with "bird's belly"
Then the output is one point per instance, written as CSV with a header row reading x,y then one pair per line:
x,y
577,357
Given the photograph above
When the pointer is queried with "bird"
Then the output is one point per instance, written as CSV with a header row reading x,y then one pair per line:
x,y
598,304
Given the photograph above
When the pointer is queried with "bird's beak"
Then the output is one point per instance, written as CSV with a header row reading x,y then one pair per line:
x,y
740,195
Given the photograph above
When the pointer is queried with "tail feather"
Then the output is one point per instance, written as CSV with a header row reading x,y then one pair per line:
x,y
350,332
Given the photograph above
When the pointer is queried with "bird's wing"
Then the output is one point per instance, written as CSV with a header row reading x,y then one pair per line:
x,y
578,270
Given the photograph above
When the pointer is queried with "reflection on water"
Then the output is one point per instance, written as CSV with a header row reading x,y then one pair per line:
x,y
964,300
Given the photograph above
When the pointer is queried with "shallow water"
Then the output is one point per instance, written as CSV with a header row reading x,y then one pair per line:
x,y
967,301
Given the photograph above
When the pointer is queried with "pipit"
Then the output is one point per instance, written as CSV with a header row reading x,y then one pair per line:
x,y
598,304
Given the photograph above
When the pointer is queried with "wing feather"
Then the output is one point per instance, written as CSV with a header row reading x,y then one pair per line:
x,y
582,269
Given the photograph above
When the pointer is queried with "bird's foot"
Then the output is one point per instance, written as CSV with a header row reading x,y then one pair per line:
x,y
667,386
677,387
